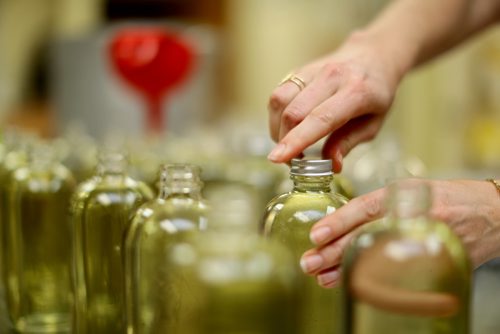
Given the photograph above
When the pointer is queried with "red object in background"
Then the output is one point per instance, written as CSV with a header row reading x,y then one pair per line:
x,y
154,61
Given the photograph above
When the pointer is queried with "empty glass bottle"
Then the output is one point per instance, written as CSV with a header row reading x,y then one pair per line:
x,y
229,279
39,247
101,211
408,274
289,218
177,212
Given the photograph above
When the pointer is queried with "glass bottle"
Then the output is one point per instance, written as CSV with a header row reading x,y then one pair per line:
x,y
14,155
289,218
101,212
39,244
229,279
407,274
177,212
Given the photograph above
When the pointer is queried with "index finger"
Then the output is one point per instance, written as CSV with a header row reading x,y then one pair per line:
x,y
327,117
358,211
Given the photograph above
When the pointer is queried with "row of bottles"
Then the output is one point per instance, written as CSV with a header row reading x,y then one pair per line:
x,y
106,257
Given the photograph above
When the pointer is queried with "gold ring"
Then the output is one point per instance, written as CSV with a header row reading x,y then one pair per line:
x,y
295,79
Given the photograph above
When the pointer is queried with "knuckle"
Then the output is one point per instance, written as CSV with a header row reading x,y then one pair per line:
x,y
371,207
333,70
277,102
324,117
359,87
346,145
292,116
332,254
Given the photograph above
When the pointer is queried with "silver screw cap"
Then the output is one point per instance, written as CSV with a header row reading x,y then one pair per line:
x,y
311,167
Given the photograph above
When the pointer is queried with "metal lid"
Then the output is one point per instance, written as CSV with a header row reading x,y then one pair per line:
x,y
312,167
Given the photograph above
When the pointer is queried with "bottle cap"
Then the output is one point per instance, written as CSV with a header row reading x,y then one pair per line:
x,y
311,167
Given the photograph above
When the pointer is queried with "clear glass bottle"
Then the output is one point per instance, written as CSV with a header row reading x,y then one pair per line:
x,y
14,155
176,213
39,244
229,279
101,211
408,274
289,218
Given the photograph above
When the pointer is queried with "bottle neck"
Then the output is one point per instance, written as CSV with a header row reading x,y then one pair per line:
x,y
409,202
180,180
112,165
184,189
321,183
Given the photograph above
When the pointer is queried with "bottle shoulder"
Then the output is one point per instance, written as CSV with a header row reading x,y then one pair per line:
x,y
167,216
242,258
57,178
97,185
305,201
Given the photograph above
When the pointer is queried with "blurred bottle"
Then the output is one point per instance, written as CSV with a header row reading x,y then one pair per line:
x,y
409,275
159,225
101,212
14,155
249,164
146,158
289,218
229,279
38,259
81,161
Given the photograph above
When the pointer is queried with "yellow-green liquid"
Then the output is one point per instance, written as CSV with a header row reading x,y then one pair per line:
x,y
38,259
233,283
156,228
429,259
289,219
102,213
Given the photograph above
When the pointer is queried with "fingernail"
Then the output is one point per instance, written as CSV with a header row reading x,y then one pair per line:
x,y
311,263
329,278
277,153
320,234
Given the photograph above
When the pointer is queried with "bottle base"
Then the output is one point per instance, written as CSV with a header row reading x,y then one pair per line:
x,y
53,323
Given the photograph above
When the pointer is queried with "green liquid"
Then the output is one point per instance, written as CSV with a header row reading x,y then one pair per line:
x,y
289,219
39,252
11,161
156,228
431,260
102,212
233,283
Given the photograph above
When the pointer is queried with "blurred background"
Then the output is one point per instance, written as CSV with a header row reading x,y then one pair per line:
x,y
60,64
73,66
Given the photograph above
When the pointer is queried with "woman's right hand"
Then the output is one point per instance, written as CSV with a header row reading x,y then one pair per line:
x,y
346,97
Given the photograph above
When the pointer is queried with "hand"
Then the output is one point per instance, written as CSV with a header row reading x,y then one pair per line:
x,y
471,209
346,97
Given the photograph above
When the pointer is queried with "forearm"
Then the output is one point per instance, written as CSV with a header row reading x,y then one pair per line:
x,y
410,32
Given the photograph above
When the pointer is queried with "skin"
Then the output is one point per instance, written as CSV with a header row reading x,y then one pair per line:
x,y
347,96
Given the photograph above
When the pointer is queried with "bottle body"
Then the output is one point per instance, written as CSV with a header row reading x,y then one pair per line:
x,y
159,225
101,212
39,250
231,280
407,274
426,275
289,219
156,228
11,161
234,283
